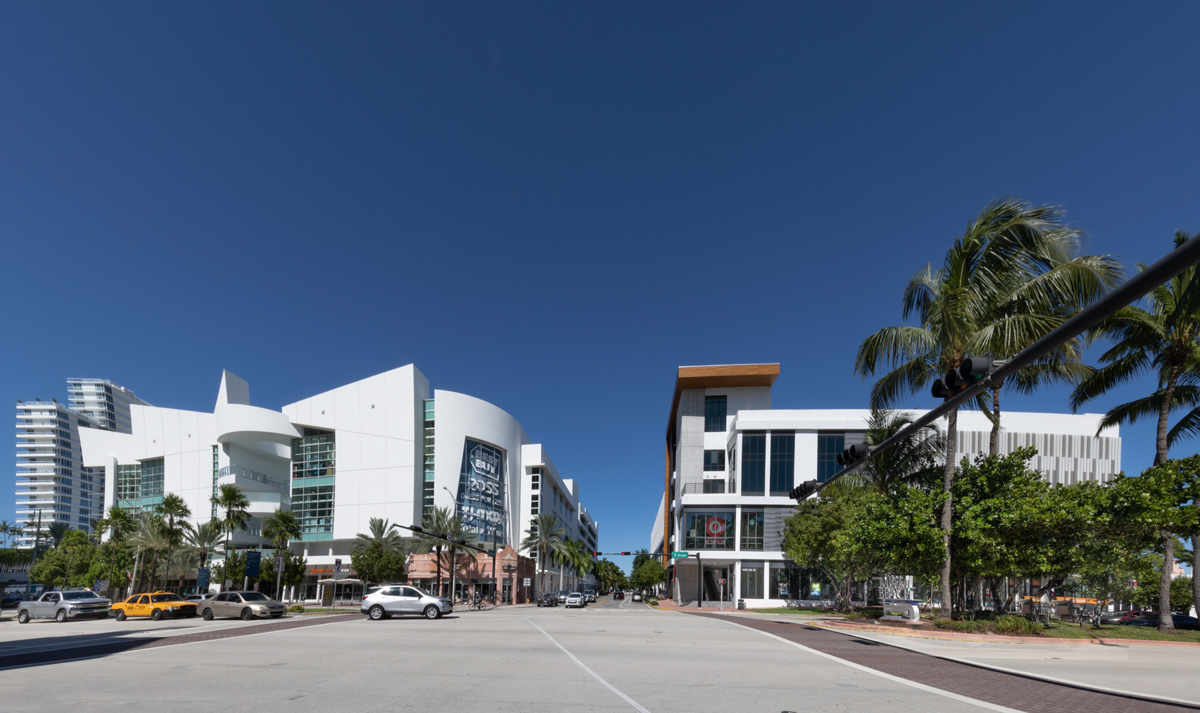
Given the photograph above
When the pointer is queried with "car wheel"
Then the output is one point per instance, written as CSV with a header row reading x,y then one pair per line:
x,y
207,615
22,617
247,615
432,612
156,614
60,616
120,615
376,612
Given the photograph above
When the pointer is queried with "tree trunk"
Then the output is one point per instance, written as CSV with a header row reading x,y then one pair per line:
x,y
946,610
1165,623
1161,452
994,438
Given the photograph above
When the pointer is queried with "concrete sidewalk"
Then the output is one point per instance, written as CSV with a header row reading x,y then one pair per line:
x,y
1165,670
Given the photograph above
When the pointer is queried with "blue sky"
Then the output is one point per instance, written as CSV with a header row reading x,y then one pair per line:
x,y
551,206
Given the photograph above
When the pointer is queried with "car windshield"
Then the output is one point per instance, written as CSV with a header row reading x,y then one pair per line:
x,y
79,595
254,597
163,597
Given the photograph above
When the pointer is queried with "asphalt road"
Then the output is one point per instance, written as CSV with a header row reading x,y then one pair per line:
x,y
611,656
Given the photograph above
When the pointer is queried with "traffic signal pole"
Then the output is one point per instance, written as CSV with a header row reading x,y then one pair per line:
x,y
1173,263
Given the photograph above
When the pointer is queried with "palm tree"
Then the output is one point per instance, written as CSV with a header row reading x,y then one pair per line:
x,y
204,539
436,522
57,530
281,528
1164,340
578,558
912,460
382,535
234,501
172,510
151,537
544,536
459,534
6,532
119,523
1009,264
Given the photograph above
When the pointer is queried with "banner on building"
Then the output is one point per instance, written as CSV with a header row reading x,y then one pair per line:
x,y
482,504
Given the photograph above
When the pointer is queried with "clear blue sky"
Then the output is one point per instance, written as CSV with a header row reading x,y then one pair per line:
x,y
551,206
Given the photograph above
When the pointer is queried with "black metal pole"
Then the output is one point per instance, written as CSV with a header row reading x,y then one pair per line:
x,y
699,583
1173,263
495,584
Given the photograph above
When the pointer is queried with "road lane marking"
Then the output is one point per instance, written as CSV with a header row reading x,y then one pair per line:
x,y
633,704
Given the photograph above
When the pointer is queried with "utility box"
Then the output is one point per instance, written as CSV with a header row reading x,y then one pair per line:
x,y
901,610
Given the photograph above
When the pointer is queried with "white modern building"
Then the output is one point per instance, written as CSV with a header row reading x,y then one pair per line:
x,y
52,484
383,447
732,461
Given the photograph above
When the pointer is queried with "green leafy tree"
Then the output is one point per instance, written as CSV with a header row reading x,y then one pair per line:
x,y
650,575
459,534
640,556
67,564
149,541
232,569
379,556
295,567
1009,263
1164,341
545,536
897,533
820,535
56,531
1158,504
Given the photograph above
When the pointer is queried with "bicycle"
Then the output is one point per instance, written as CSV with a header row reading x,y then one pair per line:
x,y
481,604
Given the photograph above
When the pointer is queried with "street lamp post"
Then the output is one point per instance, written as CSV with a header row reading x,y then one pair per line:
x,y
453,552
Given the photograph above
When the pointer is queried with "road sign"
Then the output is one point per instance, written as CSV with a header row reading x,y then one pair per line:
x,y
279,563
527,581
679,555
100,586
253,563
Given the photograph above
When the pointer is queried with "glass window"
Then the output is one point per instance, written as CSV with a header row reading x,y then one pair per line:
x,y
752,582
829,445
714,414
708,531
754,457
752,530
783,462
714,486
714,460
785,582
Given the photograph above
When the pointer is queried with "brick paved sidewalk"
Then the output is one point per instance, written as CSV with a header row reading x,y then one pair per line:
x,y
1011,689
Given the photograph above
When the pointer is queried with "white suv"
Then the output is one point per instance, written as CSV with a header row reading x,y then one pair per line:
x,y
383,602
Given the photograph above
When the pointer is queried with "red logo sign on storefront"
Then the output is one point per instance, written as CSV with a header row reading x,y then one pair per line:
x,y
715,527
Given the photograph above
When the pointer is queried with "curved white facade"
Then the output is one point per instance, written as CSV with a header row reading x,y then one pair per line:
x,y
377,448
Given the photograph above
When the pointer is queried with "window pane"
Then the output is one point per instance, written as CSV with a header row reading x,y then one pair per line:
x,y
754,454
783,462
708,531
752,530
752,582
714,413
829,445
714,460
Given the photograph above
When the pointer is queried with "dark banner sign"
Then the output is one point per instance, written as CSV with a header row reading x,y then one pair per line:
x,y
481,495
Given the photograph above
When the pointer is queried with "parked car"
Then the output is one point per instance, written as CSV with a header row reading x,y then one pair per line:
x,y
575,599
562,595
61,606
1131,616
637,596
1112,617
1181,621
155,605
247,605
549,599
618,595
199,598
399,599
11,599
589,595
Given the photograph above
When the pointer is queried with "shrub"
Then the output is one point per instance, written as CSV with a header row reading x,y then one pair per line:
x,y
1017,626
296,607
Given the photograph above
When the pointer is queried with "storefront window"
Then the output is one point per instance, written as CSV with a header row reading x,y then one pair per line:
x,y
752,582
708,531
752,530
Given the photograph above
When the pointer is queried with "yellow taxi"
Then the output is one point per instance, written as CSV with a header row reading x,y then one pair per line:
x,y
155,605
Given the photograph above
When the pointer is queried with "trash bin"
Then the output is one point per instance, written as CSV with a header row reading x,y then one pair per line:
x,y
741,604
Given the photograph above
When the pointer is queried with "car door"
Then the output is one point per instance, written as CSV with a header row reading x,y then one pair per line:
x,y
410,600
45,606
221,605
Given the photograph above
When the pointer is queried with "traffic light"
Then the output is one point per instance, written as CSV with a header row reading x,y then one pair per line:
x,y
852,454
626,553
803,490
597,554
970,371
